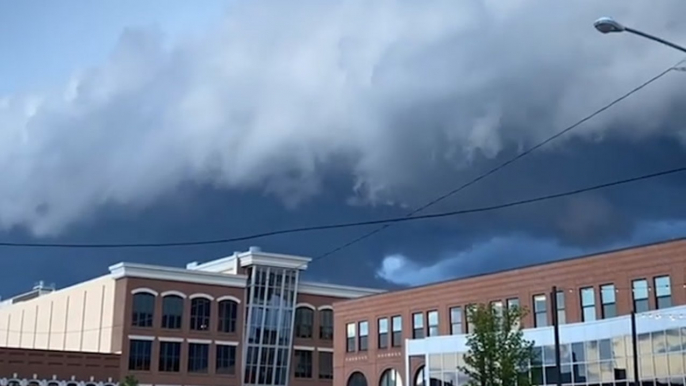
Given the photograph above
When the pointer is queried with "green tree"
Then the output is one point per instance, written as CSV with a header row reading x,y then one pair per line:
x,y
498,354
129,380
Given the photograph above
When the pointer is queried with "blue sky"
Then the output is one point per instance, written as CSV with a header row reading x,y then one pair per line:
x,y
153,121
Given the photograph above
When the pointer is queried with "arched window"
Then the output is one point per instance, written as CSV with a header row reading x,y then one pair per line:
x,y
419,377
13,382
172,312
357,379
33,383
143,309
53,384
390,377
228,315
200,314
326,324
304,322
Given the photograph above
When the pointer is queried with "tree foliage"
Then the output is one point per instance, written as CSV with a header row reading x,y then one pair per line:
x,y
498,354
129,380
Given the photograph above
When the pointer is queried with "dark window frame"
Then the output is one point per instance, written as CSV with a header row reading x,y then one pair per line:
x,y
225,359
140,354
362,339
396,331
143,318
662,301
198,358
326,324
351,337
608,307
586,306
382,338
642,303
432,329
304,322
538,312
227,311
418,327
304,363
325,365
456,326
171,319
170,357
201,314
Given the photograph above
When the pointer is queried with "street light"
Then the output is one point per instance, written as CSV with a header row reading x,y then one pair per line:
x,y
609,25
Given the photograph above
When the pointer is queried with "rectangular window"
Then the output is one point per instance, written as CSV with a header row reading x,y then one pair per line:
x,y
513,303
417,325
226,359
140,352
325,365
397,326
561,311
363,329
303,367
663,292
540,311
497,306
455,320
640,292
350,337
383,332
326,325
198,357
432,318
608,301
587,304
468,310
170,357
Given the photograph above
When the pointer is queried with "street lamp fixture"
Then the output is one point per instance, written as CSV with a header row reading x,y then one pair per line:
x,y
609,25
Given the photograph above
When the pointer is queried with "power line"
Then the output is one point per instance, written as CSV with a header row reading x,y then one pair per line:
x,y
508,162
358,223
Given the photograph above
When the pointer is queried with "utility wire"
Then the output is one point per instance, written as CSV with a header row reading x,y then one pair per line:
x,y
358,223
510,161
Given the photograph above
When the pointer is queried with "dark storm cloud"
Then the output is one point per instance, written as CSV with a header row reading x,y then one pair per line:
x,y
405,100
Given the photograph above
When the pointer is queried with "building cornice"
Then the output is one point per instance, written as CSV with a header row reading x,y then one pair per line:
x,y
144,271
335,290
153,272
273,260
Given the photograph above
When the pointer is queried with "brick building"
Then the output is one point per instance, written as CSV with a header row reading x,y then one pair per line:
x,y
417,335
241,320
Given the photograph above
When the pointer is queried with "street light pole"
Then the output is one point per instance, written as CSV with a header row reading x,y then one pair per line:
x,y
609,25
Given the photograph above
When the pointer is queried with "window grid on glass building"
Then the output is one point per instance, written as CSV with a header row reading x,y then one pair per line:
x,y
607,362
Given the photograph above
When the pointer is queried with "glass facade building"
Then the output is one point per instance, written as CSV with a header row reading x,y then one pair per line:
x,y
598,352
272,294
